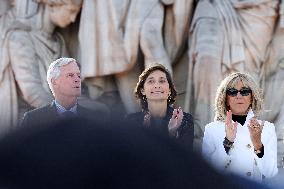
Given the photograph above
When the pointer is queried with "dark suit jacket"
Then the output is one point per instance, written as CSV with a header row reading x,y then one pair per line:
x,y
185,132
48,115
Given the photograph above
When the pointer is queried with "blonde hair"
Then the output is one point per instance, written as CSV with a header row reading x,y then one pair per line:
x,y
231,81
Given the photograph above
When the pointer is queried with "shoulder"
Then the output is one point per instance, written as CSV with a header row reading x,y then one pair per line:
x,y
37,115
41,110
215,125
187,116
19,35
134,116
268,126
20,39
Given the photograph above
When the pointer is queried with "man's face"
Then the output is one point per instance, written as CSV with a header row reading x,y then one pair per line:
x,y
63,15
68,84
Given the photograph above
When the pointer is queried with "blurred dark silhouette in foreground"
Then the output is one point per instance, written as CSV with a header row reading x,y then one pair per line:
x,y
78,154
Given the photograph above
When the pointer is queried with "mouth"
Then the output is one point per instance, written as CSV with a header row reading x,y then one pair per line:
x,y
157,92
240,103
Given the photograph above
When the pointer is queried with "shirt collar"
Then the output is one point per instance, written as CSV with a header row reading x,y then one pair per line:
x,y
249,115
61,109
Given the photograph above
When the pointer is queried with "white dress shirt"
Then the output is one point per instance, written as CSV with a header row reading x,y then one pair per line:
x,y
61,109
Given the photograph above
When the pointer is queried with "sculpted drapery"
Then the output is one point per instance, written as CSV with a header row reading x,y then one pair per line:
x,y
111,43
226,36
29,47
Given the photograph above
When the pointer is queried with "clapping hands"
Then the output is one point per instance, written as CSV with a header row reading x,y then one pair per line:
x,y
175,121
230,127
255,130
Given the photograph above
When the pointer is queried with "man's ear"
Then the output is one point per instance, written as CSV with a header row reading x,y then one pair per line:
x,y
54,83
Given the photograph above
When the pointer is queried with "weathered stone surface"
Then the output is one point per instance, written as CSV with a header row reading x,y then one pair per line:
x,y
198,41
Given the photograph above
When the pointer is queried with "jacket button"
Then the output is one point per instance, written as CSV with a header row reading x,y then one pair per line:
x,y
248,174
255,162
248,145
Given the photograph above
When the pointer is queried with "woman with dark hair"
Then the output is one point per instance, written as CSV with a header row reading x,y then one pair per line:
x,y
156,92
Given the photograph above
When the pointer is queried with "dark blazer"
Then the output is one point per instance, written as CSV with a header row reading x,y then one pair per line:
x,y
48,115
185,131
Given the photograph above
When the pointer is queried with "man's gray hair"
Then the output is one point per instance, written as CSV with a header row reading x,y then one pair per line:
x,y
53,71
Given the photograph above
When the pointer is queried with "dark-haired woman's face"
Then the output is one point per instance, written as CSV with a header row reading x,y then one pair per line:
x,y
156,86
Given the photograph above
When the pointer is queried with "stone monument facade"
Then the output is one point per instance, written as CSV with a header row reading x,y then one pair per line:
x,y
198,41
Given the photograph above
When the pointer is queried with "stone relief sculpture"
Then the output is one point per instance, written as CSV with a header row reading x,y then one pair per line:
x,y
8,114
273,85
226,36
27,52
4,6
7,17
120,37
110,44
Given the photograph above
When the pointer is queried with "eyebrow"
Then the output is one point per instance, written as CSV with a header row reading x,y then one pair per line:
x,y
78,73
153,78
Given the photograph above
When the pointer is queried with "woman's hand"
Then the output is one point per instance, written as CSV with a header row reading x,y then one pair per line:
x,y
230,127
255,130
175,121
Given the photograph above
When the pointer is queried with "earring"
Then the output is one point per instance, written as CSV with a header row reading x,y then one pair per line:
x,y
144,98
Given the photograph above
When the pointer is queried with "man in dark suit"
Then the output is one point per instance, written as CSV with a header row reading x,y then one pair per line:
x,y
64,80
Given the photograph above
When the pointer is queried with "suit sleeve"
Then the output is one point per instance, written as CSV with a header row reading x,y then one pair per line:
x,y
212,147
25,122
208,146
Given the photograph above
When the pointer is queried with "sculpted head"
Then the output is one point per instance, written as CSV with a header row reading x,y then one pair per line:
x,y
62,12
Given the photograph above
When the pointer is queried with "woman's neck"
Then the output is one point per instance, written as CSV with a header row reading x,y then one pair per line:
x,y
46,23
157,109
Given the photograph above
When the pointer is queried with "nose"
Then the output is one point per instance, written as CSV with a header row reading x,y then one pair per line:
x,y
239,94
77,79
157,85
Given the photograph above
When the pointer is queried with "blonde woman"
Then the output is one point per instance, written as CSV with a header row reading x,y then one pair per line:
x,y
237,142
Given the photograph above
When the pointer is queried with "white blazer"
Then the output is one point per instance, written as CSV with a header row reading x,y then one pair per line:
x,y
241,159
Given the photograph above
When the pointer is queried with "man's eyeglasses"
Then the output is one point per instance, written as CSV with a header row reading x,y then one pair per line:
x,y
234,92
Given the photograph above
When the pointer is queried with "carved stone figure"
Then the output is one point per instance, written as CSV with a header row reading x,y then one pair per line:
x,y
4,6
7,113
273,85
226,36
111,44
27,53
